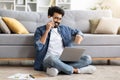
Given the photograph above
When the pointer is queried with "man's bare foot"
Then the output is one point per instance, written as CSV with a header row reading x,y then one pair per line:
x,y
88,69
75,71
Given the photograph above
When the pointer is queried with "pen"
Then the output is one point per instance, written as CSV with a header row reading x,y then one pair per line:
x,y
31,76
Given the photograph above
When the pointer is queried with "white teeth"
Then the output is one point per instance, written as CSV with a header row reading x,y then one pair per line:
x,y
56,23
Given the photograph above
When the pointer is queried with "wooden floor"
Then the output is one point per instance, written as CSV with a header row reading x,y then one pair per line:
x,y
113,58
23,59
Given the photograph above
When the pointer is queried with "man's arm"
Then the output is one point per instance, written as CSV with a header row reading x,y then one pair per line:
x,y
78,39
44,36
39,38
77,34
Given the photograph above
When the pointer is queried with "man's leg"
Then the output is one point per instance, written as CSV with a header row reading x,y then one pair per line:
x,y
84,61
54,62
83,66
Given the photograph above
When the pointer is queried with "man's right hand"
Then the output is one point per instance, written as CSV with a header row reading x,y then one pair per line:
x,y
49,25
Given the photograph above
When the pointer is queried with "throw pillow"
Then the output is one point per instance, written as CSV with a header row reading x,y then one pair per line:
x,y
119,30
15,26
3,27
108,26
0,31
93,24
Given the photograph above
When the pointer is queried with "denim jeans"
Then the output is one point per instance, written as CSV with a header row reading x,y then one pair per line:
x,y
66,67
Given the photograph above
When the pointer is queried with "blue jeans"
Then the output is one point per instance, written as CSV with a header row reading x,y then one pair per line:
x,y
66,67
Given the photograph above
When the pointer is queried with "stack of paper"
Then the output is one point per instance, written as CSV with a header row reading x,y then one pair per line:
x,y
20,76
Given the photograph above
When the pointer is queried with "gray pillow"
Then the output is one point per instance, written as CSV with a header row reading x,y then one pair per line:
x,y
93,25
119,30
3,27
0,31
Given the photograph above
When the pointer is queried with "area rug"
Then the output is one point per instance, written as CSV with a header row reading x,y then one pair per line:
x,y
104,72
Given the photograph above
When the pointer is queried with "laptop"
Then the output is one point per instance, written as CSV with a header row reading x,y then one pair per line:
x,y
72,54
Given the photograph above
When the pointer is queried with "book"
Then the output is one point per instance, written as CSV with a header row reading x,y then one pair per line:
x,y
4,6
28,8
20,2
12,7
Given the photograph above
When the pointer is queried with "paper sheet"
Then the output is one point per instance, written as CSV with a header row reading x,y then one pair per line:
x,y
21,76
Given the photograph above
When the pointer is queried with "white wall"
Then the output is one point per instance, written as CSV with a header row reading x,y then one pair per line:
x,y
114,5
81,4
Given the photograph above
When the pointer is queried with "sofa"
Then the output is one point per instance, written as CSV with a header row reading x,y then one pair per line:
x,y
21,46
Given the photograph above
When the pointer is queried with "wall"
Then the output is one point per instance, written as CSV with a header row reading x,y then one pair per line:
x,y
82,4
113,5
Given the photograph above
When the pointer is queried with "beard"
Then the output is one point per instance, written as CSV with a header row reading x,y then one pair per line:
x,y
56,24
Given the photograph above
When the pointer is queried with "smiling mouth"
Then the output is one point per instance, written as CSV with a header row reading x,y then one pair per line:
x,y
56,24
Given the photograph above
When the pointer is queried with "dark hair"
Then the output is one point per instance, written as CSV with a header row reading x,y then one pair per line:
x,y
50,11
54,9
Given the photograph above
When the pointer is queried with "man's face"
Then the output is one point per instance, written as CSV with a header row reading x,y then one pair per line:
x,y
57,19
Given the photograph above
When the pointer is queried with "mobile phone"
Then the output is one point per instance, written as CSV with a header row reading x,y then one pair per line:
x,y
50,19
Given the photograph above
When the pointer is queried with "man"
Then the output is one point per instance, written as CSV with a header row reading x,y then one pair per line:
x,y
50,40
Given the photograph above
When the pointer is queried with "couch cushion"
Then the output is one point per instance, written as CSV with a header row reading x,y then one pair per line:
x,y
102,51
100,40
16,39
108,26
8,51
15,26
3,27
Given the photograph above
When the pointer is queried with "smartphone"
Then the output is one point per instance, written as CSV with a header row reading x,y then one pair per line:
x,y
50,19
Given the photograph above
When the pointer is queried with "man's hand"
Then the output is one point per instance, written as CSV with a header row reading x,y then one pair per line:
x,y
78,39
49,25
